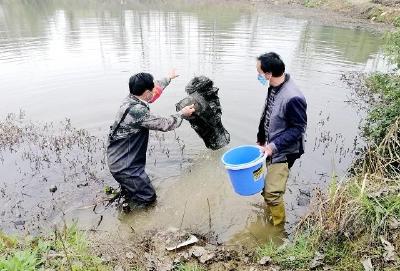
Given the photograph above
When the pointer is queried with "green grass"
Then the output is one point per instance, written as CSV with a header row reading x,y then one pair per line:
x,y
396,22
393,44
374,211
378,210
343,254
380,127
312,3
387,109
190,267
66,250
296,254
16,257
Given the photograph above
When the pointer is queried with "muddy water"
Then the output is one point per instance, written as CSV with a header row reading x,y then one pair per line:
x,y
73,59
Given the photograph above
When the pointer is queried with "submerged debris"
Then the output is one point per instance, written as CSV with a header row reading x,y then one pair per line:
x,y
64,160
34,156
53,189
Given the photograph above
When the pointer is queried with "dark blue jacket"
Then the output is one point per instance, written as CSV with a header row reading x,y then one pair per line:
x,y
288,122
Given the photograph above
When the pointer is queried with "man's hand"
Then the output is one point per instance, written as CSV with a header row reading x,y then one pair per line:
x,y
266,149
187,111
172,74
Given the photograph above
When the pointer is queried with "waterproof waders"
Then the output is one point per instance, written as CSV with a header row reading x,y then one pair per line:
x,y
276,178
127,146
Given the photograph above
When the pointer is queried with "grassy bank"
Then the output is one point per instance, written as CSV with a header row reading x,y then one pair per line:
x,y
356,225
65,249
356,221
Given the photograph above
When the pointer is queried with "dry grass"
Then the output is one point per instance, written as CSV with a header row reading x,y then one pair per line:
x,y
358,212
383,161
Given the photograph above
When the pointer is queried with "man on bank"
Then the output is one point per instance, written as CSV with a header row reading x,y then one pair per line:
x,y
281,130
129,136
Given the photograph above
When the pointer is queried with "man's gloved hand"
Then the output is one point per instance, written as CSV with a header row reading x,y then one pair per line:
x,y
187,111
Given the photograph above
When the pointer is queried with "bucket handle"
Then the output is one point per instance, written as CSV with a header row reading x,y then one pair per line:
x,y
248,165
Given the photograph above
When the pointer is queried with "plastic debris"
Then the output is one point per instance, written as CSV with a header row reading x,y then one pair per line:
x,y
190,241
367,264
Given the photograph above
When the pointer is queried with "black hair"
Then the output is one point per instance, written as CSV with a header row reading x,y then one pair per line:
x,y
141,82
272,62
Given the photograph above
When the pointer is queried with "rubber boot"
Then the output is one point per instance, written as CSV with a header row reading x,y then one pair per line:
x,y
277,213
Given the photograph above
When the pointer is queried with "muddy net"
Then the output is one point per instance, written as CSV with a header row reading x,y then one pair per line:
x,y
206,121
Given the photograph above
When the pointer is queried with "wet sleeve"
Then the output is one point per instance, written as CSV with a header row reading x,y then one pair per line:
x,y
164,124
296,117
159,87
163,83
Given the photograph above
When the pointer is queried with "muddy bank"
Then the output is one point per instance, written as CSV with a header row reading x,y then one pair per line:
x,y
369,15
174,249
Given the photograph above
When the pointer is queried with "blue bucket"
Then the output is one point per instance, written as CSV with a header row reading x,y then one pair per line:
x,y
245,166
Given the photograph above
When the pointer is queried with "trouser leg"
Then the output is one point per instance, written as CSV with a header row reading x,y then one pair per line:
x,y
274,190
137,186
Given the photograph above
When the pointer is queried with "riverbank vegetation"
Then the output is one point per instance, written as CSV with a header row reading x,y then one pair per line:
x,y
65,249
356,224
381,11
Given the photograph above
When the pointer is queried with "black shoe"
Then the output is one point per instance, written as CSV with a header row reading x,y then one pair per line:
x,y
131,205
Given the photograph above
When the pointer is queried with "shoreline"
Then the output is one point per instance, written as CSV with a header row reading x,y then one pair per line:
x,y
365,12
326,16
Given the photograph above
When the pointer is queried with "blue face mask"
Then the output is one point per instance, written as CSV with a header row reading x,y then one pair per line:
x,y
262,80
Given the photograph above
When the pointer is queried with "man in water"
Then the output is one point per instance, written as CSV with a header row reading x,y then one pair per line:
x,y
281,130
129,136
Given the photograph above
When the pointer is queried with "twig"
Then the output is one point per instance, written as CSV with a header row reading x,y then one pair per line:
x,y
183,216
64,248
100,220
209,215
363,185
117,196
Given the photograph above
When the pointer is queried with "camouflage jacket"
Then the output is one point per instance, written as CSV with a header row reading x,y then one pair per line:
x,y
127,146
139,116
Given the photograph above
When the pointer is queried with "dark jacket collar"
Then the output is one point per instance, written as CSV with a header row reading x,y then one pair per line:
x,y
278,88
